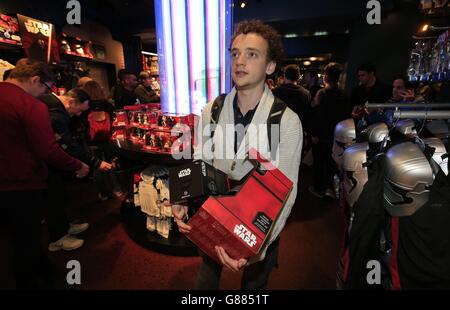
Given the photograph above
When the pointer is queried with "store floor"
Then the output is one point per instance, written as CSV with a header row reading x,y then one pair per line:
x,y
109,259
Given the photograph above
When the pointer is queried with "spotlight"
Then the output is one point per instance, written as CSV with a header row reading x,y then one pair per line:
x,y
243,4
425,27
306,63
312,58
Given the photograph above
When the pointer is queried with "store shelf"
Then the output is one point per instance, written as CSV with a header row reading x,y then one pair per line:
x,y
134,219
135,224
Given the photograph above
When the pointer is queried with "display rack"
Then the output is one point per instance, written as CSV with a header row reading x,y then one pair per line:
x,y
135,220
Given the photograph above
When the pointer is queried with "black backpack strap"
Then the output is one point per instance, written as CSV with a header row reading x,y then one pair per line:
x,y
275,115
215,111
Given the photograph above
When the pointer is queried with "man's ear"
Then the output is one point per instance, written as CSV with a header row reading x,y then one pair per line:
x,y
270,67
35,80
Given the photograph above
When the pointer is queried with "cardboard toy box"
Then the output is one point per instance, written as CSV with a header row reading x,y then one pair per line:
x,y
168,121
120,118
240,223
195,180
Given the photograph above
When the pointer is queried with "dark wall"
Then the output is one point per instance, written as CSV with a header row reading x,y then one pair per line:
x,y
337,45
387,46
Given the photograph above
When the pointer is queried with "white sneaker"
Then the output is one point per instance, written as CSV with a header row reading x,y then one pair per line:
x,y
77,228
66,243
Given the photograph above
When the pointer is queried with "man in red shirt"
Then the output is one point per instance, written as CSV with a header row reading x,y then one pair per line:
x,y
28,145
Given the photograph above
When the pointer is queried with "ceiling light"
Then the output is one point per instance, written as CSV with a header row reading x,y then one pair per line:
x,y
242,4
307,63
313,58
425,27
291,35
320,33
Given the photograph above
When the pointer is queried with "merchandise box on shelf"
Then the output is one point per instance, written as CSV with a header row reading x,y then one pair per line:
x,y
240,223
120,118
195,180
165,142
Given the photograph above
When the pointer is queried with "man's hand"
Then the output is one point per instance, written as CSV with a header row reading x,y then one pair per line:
x,y
83,171
227,261
104,166
180,215
408,95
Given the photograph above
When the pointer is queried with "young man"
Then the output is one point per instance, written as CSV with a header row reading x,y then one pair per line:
x,y
329,107
144,91
370,88
255,50
124,91
61,109
28,146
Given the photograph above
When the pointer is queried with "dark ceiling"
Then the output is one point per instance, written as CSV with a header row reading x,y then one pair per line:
x,y
137,17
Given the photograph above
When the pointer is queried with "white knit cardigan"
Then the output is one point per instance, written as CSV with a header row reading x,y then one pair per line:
x,y
288,156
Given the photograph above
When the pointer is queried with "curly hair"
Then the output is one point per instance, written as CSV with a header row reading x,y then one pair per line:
x,y
275,45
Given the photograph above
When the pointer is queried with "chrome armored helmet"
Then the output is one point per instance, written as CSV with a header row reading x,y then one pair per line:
x,y
408,175
406,127
377,133
344,135
440,155
355,172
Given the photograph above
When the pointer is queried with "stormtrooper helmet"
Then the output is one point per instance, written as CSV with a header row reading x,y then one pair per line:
x,y
406,127
440,155
344,135
355,173
377,133
408,176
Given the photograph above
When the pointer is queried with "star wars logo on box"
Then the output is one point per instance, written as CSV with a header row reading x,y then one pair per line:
x,y
196,180
240,223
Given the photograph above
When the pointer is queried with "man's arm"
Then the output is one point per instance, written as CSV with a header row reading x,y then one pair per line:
x,y
71,145
42,140
290,149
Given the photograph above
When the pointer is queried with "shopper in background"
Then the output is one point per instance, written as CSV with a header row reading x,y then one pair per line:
x,y
83,80
312,82
402,91
297,98
370,88
329,108
61,109
144,91
97,136
124,93
28,146
255,50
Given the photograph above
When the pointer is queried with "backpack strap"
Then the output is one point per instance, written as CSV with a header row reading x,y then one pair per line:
x,y
215,112
275,115
274,118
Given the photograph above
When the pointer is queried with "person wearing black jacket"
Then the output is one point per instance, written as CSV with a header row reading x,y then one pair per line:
x,y
298,99
61,109
329,107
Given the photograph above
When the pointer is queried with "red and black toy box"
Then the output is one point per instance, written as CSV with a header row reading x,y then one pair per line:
x,y
240,223
196,180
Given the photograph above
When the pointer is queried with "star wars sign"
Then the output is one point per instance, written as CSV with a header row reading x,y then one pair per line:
x,y
35,26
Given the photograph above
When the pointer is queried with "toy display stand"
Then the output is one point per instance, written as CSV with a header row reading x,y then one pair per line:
x,y
135,220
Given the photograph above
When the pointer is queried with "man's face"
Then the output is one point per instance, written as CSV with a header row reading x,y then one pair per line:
x,y
398,87
364,77
77,108
130,81
147,82
249,65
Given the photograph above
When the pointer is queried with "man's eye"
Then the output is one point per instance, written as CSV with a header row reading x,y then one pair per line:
x,y
251,55
234,55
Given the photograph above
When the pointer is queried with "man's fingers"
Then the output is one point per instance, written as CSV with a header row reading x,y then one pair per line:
x,y
183,227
